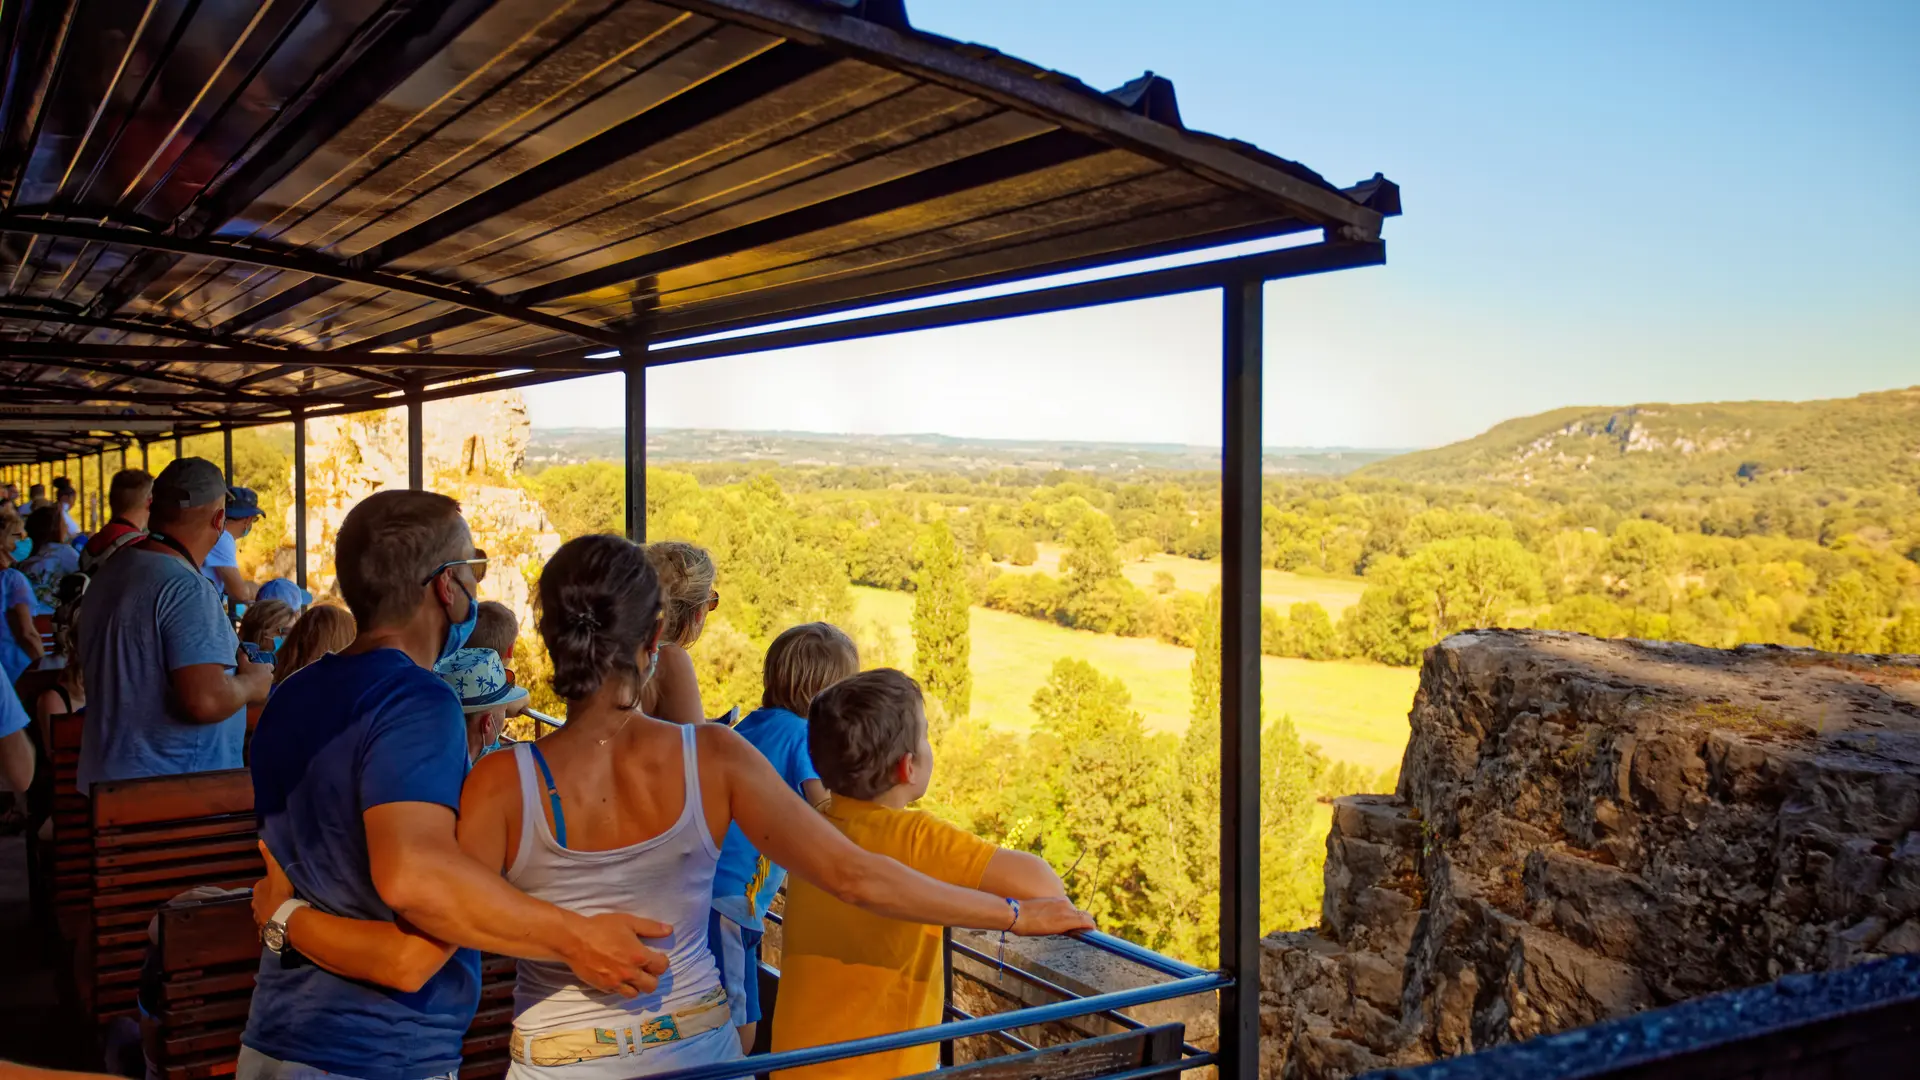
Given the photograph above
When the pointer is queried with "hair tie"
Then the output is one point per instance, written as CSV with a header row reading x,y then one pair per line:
x,y
586,620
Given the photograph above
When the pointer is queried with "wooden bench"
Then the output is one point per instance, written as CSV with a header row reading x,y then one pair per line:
x,y
154,838
72,856
1127,1052
209,954
483,1055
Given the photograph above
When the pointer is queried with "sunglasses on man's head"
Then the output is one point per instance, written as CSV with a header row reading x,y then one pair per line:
x,y
446,566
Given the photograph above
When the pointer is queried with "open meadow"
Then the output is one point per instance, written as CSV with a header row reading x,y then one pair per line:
x,y
1356,711
1279,589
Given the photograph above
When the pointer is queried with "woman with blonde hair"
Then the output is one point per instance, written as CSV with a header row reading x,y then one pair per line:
x,y
321,630
686,578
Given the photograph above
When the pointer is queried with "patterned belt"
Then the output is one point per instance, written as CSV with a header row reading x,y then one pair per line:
x,y
710,1011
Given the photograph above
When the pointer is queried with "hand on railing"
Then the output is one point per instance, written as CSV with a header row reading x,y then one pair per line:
x,y
1046,915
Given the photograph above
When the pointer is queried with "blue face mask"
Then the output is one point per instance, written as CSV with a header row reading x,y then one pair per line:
x,y
459,632
22,548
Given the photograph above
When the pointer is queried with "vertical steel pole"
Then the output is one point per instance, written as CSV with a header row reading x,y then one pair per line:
x,y
100,508
146,462
636,367
179,450
1240,682
226,449
416,441
300,498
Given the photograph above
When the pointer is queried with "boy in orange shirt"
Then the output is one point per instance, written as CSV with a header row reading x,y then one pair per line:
x,y
846,974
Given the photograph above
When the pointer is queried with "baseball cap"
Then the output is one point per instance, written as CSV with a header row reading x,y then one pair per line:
x,y
286,592
188,482
243,503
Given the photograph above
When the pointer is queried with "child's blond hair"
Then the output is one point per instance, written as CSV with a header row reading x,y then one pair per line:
x,y
686,584
803,661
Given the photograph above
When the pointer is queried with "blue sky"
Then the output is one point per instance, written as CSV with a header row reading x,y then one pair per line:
x,y
1606,203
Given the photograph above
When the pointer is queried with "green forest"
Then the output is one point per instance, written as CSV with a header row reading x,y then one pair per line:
x,y
1647,540
1719,525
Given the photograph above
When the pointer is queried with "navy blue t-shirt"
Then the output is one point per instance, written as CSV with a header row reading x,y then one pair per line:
x,y
340,736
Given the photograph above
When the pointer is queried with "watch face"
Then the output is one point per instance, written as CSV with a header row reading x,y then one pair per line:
x,y
275,937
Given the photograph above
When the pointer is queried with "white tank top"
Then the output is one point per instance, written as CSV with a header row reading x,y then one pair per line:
x,y
668,878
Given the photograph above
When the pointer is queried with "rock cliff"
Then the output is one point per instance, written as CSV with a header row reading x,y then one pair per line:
x,y
474,448
1587,828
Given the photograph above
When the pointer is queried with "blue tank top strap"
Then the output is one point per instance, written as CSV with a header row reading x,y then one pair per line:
x,y
553,795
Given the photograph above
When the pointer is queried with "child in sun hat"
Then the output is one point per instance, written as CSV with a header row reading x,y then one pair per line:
x,y
478,676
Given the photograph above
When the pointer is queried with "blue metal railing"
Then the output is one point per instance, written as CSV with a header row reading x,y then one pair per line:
x,y
1186,980
960,1029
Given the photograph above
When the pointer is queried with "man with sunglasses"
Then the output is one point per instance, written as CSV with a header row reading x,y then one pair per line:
x,y
358,762
167,684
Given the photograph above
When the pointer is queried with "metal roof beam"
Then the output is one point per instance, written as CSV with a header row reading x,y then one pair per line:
x,y
304,262
1287,262
337,359
1031,155
125,373
777,68
381,55
32,393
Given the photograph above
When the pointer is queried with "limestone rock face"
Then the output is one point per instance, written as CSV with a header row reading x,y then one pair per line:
x,y
1588,828
474,447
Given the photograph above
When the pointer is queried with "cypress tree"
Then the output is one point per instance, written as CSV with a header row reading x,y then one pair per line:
x,y
941,600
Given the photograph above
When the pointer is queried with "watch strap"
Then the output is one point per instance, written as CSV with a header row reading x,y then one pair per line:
x,y
285,911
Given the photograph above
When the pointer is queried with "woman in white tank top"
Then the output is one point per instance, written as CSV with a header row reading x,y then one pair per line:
x,y
618,812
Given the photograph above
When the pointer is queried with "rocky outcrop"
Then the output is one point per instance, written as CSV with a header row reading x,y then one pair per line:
x,y
1587,828
474,448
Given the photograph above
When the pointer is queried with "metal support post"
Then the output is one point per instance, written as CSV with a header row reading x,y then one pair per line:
x,y
226,448
101,510
1240,681
179,450
300,498
416,441
145,461
636,368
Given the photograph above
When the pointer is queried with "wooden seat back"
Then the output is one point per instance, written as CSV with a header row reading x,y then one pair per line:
x,y
209,954
483,1055
71,873
1108,1055
154,838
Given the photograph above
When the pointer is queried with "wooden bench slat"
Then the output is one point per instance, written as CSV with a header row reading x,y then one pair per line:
x,y
206,987
216,846
151,898
149,799
209,934
211,1013
221,1038
243,865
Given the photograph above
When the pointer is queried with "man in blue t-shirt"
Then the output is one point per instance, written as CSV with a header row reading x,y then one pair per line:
x,y
357,764
167,685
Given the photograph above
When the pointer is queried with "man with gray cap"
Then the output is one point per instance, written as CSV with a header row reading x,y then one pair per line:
x,y
167,684
222,565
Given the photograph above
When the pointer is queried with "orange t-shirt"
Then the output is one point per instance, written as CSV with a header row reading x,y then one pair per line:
x,y
847,974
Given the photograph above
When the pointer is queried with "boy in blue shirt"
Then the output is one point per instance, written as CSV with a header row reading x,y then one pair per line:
x,y
800,663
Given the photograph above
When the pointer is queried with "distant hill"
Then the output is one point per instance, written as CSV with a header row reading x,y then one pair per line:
x,y
1868,441
936,453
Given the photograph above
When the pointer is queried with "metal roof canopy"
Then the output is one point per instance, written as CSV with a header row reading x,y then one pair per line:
x,y
215,217
439,198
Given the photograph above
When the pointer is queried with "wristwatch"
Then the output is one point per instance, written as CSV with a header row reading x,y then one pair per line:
x,y
274,934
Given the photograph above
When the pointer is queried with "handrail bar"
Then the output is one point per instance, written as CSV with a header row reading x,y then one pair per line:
x,y
543,718
1126,950
960,1029
1145,957
1039,983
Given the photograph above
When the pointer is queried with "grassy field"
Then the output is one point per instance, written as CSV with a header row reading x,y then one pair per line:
x,y
1279,589
1356,711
